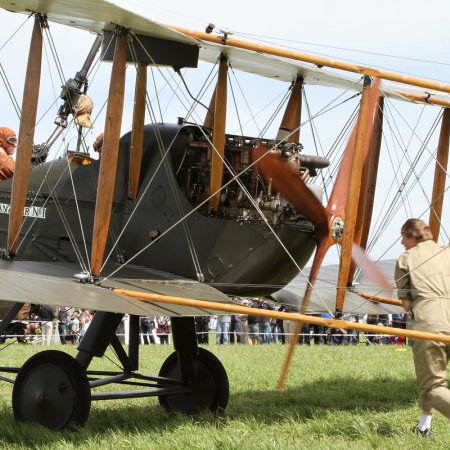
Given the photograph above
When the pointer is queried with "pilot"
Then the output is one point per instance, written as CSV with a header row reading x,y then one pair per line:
x,y
423,284
8,142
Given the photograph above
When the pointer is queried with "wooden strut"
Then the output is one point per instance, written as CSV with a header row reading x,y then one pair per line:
x,y
378,299
137,136
218,151
318,61
372,171
110,152
440,176
289,130
209,118
430,99
368,185
237,309
26,136
363,137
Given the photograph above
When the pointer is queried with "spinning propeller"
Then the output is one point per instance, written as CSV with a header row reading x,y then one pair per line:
x,y
341,221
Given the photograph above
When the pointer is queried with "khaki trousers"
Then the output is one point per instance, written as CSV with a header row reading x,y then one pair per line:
x,y
430,361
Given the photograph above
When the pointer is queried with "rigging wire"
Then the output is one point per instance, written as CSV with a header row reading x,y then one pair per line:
x,y
389,215
196,100
246,102
205,86
10,91
392,208
236,107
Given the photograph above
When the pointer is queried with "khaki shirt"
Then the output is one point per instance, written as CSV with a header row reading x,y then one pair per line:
x,y
422,274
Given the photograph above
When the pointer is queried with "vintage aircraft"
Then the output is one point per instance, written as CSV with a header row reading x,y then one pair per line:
x,y
175,219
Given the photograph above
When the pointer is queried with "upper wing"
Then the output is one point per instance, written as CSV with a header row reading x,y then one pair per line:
x,y
94,16
99,15
54,284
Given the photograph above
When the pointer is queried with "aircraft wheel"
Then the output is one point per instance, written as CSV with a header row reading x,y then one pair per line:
x,y
210,388
51,389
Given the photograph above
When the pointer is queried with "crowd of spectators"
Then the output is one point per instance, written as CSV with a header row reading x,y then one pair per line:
x,y
68,326
256,330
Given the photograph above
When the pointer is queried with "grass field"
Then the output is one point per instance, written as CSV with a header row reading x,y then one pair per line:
x,y
341,397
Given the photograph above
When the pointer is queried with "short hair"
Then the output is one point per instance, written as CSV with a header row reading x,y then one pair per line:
x,y
417,229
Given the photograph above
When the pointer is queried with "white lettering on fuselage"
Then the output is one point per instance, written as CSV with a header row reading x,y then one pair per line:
x,y
28,211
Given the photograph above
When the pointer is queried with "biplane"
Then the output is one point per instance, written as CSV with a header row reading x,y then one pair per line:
x,y
179,218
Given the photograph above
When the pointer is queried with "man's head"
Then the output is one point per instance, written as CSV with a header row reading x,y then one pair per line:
x,y
8,140
415,231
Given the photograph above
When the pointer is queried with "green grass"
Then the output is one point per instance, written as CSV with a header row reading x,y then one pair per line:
x,y
336,398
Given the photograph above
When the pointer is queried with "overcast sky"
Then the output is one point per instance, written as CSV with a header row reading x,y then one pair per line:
x,y
407,36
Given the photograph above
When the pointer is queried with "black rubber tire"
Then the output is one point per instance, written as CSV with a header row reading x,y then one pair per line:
x,y
52,389
209,388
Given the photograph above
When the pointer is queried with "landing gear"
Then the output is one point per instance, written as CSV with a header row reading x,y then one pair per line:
x,y
55,390
52,389
209,388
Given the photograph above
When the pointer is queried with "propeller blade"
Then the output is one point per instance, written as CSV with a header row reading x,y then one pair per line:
x,y
321,251
291,186
370,269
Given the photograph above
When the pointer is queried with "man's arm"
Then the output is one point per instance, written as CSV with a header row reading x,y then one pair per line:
x,y
403,282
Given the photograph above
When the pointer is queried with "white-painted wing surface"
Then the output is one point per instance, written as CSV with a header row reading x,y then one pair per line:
x,y
98,15
93,16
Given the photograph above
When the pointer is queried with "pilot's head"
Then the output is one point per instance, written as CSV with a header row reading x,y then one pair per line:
x,y
8,140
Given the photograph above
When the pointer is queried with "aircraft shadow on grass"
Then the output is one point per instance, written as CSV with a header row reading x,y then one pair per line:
x,y
311,400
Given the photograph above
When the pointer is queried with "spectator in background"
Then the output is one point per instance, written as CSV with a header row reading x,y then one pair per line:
x,y
279,326
68,333
46,317
264,323
236,327
147,326
61,324
202,329
244,323
163,330
75,323
253,328
223,329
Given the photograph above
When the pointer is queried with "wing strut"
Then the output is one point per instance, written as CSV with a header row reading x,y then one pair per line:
x,y
137,137
26,135
363,139
368,185
372,170
289,130
220,116
110,152
209,118
440,176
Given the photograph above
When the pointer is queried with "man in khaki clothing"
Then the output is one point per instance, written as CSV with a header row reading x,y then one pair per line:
x,y
423,282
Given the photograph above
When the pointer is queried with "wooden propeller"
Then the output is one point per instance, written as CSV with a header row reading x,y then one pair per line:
x,y
336,223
